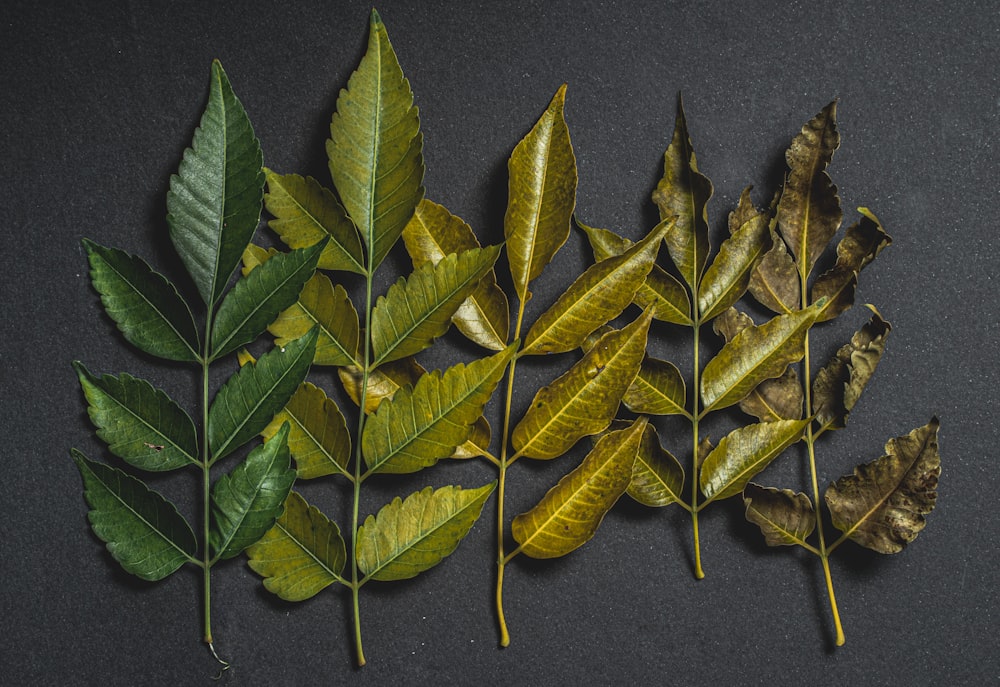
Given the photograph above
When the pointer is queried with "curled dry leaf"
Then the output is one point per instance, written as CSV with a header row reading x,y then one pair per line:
x,y
784,517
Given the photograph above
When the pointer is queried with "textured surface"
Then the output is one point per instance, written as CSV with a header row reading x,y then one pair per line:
x,y
100,101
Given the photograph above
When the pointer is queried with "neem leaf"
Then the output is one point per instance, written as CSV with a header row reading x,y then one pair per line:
x,y
780,398
408,537
584,400
743,453
541,195
683,192
319,441
569,514
375,147
478,443
839,384
754,354
598,295
143,531
883,504
422,424
383,383
256,299
305,213
246,404
784,517
247,501
660,289
658,389
213,205
147,309
302,554
809,210
775,281
139,423
418,309
657,477
433,233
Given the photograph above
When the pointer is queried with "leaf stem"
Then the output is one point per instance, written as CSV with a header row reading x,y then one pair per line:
x,y
206,490
696,317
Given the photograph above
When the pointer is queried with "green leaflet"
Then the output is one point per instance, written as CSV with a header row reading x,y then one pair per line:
x,y
149,312
408,537
143,531
249,400
658,389
418,309
318,440
541,196
375,147
302,554
568,515
247,501
423,424
305,213
214,201
139,424
657,478
383,382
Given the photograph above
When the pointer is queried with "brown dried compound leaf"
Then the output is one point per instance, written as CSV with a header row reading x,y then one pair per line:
x,y
883,504
775,282
657,477
839,384
730,323
809,211
861,244
784,517
744,212
775,399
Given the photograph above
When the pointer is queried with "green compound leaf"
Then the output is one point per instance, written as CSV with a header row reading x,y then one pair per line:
x,y
251,398
784,517
433,233
302,554
422,424
140,424
305,213
319,441
584,400
214,201
683,192
408,537
541,196
143,531
597,296
883,504
147,309
743,453
247,501
569,514
256,299
375,147
418,309
657,477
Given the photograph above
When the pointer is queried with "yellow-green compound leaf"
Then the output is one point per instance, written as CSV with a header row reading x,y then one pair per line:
x,y
541,196
584,400
569,514
319,441
743,453
143,531
809,210
861,244
213,205
305,213
839,384
683,192
147,309
433,233
660,290
383,383
775,281
139,423
408,537
755,354
598,295
247,501
658,389
784,517
422,424
302,554
780,398
657,477
418,309
375,147
883,504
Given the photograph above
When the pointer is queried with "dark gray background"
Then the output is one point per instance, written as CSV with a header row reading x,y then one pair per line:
x,y
98,102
